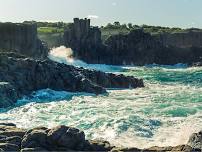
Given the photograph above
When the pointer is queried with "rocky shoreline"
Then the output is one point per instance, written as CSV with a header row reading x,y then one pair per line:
x,y
21,76
64,138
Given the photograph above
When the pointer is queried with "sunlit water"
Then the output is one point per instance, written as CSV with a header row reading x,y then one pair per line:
x,y
166,112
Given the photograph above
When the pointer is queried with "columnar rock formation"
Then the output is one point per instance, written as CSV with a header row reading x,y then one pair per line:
x,y
137,47
20,76
21,38
187,39
83,39
63,138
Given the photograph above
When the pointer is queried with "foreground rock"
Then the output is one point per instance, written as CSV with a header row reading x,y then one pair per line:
x,y
20,76
63,138
196,140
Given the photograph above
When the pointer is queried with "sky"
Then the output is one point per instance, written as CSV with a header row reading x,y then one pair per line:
x,y
172,13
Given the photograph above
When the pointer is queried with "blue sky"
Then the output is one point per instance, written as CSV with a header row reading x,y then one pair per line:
x,y
174,13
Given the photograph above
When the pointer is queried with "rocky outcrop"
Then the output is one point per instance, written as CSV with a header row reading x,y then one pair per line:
x,y
20,76
63,138
137,47
22,38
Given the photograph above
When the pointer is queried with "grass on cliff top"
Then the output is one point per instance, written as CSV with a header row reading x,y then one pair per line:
x,y
50,30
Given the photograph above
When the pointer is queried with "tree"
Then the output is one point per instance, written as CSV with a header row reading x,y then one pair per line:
x,y
130,25
117,24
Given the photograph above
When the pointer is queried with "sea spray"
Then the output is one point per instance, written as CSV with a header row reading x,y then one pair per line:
x,y
65,55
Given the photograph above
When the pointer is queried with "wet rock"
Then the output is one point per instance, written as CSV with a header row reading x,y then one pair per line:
x,y
21,76
10,133
66,137
16,140
8,124
195,140
125,150
8,93
34,138
99,145
9,147
37,149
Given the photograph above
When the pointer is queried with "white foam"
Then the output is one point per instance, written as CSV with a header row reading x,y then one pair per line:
x,y
64,55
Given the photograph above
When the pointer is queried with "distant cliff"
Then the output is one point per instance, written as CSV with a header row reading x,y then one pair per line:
x,y
137,47
21,38
186,39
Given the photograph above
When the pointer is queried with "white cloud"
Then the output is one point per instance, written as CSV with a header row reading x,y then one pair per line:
x,y
92,16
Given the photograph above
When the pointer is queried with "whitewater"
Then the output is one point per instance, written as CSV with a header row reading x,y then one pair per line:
x,y
164,113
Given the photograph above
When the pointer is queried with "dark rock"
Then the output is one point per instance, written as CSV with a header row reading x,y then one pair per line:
x,y
195,140
12,140
66,137
125,150
11,133
8,124
22,38
37,149
8,94
35,138
21,76
9,147
99,146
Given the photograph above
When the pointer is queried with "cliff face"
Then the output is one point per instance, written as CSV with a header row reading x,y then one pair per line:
x,y
21,38
182,39
137,47
83,39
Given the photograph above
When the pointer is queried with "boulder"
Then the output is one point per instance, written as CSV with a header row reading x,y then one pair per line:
x,y
34,138
8,93
66,137
195,140
95,145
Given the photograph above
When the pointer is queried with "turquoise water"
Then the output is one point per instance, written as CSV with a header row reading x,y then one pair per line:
x,y
163,113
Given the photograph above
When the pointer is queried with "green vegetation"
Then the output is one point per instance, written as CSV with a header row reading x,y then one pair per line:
x,y
117,28
50,30
53,32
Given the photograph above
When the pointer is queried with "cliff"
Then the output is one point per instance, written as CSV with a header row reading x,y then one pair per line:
x,y
136,47
186,39
21,38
